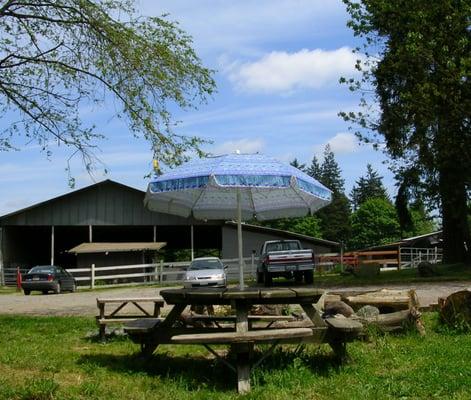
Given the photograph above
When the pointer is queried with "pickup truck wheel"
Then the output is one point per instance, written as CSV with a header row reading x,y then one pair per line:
x,y
259,277
309,277
268,279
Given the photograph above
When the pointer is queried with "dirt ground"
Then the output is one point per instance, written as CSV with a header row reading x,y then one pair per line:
x,y
84,302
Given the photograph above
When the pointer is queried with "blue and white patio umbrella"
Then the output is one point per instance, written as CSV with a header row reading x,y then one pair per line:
x,y
239,187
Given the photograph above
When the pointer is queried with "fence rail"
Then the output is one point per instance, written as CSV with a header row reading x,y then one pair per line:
x,y
405,257
174,272
170,272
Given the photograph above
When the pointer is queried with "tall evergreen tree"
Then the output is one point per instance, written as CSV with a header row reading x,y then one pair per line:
x,y
416,65
421,222
296,164
330,173
335,218
368,187
314,170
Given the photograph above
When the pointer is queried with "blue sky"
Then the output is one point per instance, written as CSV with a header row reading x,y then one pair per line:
x,y
278,63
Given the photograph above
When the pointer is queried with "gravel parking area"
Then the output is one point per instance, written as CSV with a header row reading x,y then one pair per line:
x,y
84,303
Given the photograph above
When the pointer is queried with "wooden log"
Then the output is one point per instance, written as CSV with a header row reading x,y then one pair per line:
x,y
395,321
455,310
384,299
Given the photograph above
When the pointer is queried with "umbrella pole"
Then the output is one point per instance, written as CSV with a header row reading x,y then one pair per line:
x,y
239,241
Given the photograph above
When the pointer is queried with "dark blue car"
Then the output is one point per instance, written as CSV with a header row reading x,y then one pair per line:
x,y
45,278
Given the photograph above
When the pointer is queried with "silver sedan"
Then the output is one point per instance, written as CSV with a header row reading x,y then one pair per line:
x,y
206,271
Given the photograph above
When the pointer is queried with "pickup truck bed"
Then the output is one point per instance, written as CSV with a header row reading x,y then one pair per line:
x,y
293,263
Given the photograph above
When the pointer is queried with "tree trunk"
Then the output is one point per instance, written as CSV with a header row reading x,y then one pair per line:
x,y
455,310
456,236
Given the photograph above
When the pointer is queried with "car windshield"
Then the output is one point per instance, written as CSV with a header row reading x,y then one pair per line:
x,y
43,269
205,264
282,246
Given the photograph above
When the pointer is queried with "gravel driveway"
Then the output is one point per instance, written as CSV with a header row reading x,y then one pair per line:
x,y
84,303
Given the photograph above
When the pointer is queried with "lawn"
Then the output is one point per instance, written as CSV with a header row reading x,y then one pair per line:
x,y
7,290
456,272
44,358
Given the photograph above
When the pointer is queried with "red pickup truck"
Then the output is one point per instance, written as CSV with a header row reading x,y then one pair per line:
x,y
285,258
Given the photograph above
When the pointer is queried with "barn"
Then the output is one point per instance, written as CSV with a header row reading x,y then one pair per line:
x,y
113,213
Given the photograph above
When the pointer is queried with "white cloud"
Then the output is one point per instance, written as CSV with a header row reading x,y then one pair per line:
x,y
280,71
246,145
341,143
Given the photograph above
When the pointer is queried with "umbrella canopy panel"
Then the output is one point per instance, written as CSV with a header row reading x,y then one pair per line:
x,y
206,189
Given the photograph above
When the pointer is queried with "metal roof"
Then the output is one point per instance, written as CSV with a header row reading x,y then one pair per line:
x,y
104,247
291,235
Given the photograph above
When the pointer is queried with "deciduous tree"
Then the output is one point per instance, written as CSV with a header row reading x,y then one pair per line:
x,y
374,223
58,56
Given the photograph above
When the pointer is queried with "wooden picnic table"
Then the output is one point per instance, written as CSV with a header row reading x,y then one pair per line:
x,y
116,315
244,335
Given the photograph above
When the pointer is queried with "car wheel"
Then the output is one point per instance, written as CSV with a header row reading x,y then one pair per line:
x,y
27,292
57,290
309,277
74,288
268,280
45,291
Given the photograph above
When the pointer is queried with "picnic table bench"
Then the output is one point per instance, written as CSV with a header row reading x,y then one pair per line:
x,y
243,335
115,315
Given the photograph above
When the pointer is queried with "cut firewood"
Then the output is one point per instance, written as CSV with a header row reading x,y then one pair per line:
x,y
395,321
384,299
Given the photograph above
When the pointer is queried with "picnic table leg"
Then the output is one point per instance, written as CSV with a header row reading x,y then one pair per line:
x,y
242,350
101,327
243,366
150,343
339,348
156,310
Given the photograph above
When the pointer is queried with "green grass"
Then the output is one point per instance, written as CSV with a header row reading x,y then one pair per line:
x,y
8,290
456,272
50,358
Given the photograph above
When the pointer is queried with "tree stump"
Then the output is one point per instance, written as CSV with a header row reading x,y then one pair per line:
x,y
455,310
426,269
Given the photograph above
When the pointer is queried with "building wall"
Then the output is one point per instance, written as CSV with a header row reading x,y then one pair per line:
x,y
254,240
106,203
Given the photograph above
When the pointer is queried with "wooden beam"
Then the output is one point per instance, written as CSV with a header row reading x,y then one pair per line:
x,y
52,245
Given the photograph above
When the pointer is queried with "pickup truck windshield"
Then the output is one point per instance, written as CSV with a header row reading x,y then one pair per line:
x,y
282,246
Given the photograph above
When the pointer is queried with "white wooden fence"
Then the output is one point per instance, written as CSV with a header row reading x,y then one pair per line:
x,y
174,272
163,273
411,257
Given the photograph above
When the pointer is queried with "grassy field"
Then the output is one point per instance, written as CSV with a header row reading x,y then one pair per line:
x,y
457,272
7,290
51,358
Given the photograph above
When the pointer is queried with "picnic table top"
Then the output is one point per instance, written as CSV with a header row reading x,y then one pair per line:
x,y
253,295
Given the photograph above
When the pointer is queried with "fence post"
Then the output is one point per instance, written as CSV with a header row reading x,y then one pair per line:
x,y
161,271
92,276
399,250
